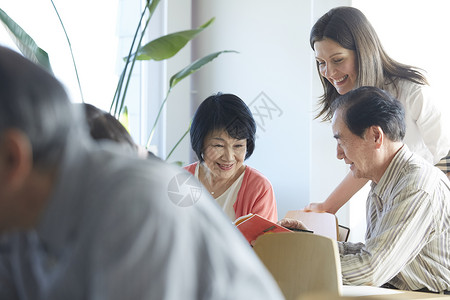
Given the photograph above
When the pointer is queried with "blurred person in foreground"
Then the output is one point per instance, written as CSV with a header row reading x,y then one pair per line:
x,y
81,221
106,128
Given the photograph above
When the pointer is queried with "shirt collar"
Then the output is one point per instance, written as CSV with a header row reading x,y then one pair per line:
x,y
387,180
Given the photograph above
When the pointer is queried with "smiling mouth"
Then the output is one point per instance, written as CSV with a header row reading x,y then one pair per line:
x,y
225,167
340,80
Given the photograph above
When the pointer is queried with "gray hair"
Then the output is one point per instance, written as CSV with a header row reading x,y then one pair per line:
x,y
35,102
370,106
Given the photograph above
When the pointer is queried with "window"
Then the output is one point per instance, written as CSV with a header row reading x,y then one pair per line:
x,y
91,27
100,33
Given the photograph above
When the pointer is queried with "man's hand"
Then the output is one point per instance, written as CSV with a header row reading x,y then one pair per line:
x,y
292,224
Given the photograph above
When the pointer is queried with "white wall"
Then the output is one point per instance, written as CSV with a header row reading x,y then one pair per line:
x,y
326,170
273,73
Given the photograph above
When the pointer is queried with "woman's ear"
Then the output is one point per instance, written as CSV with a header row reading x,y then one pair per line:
x,y
16,160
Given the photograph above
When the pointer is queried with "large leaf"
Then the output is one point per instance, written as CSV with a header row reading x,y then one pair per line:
x,y
180,76
123,119
25,43
194,67
167,46
152,6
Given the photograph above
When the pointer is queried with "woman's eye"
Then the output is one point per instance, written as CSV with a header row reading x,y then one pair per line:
x,y
217,146
338,60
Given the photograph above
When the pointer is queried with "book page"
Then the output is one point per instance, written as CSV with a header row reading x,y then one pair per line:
x,y
324,224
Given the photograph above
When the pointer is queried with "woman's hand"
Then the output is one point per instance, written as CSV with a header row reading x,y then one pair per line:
x,y
315,207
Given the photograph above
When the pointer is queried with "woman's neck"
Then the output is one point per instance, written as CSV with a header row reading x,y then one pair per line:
x,y
217,185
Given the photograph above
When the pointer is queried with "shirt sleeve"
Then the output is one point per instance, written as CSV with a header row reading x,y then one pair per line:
x,y
444,164
346,248
402,231
265,205
139,236
430,121
7,288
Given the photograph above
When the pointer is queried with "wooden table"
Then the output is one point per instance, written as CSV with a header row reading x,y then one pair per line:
x,y
374,293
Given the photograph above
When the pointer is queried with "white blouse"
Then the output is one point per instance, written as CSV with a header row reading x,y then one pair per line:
x,y
426,130
228,198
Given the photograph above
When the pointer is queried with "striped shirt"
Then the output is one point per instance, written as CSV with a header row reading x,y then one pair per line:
x,y
444,164
408,229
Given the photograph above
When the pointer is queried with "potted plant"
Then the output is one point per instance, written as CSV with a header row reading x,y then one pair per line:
x,y
158,49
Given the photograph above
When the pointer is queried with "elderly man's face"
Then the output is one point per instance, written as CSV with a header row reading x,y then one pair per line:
x,y
8,184
20,202
355,151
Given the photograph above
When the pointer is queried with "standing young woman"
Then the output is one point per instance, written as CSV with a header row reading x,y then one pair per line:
x,y
350,55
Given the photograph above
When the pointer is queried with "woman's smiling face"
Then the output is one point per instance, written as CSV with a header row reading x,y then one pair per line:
x,y
224,155
337,64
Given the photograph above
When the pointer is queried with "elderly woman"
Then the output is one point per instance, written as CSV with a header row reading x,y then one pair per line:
x,y
223,137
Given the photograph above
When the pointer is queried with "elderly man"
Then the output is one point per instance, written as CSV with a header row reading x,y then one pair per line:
x,y
80,221
408,208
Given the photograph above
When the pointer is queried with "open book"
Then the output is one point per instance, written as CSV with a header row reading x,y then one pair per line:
x,y
322,223
253,225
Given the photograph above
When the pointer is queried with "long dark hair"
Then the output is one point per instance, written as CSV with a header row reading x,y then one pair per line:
x,y
350,28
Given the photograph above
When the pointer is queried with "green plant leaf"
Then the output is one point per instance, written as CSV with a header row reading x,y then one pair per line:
x,y
25,43
70,47
152,6
123,119
194,67
122,86
179,141
177,78
167,46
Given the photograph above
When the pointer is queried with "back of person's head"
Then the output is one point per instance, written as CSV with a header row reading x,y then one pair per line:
x,y
223,112
34,102
350,28
370,106
103,126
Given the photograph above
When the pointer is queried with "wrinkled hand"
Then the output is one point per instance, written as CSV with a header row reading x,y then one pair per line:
x,y
292,224
315,207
